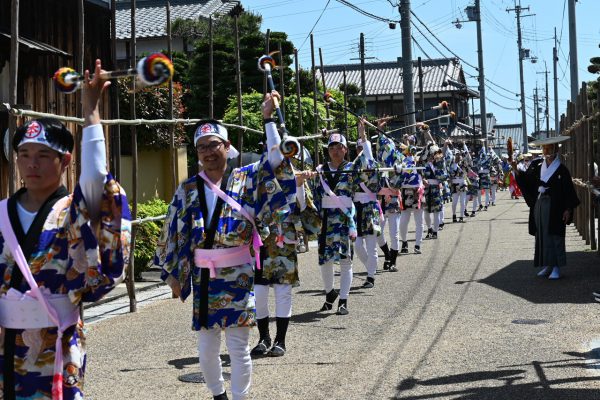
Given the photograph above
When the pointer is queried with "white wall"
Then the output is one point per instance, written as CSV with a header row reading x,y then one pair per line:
x,y
149,45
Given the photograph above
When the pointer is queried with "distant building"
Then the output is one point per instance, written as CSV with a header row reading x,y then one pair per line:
x,y
443,79
151,22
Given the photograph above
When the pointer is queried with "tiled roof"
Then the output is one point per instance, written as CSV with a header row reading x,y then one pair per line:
x,y
151,15
385,78
491,121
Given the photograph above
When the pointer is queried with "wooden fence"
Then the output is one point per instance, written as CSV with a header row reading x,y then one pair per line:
x,y
582,123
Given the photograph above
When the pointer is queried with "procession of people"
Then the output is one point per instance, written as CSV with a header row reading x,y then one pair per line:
x,y
228,240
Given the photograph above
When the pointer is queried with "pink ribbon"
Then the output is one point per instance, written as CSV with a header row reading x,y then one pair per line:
x,y
13,244
366,190
256,239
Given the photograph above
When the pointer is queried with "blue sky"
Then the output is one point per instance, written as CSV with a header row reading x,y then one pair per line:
x,y
339,27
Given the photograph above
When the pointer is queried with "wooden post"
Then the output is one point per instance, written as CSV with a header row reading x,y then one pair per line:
x,y
115,144
325,90
12,91
134,165
299,106
172,149
421,93
281,80
345,103
211,87
315,110
267,45
238,77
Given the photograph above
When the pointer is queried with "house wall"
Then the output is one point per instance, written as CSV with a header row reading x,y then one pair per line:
x,y
154,174
147,45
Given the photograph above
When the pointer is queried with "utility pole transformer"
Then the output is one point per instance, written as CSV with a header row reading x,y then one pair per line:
x,y
407,75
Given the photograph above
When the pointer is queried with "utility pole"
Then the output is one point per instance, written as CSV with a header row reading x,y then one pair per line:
x,y
484,128
407,75
363,89
555,62
421,93
536,113
573,51
518,10
547,111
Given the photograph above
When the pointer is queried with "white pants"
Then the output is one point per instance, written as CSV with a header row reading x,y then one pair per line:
x,y
209,349
366,249
459,198
345,277
394,221
493,190
283,300
476,201
442,215
436,220
487,197
405,219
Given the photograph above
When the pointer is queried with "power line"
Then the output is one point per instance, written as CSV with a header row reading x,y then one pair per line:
x,y
365,13
318,19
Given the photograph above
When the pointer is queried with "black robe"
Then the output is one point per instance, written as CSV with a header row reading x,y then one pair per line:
x,y
561,190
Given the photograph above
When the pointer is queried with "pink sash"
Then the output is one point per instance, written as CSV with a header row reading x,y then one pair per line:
x,y
222,258
11,241
336,199
256,240
367,191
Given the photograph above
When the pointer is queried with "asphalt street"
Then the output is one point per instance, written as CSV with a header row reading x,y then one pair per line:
x,y
467,319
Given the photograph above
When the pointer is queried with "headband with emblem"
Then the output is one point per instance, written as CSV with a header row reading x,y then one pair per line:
x,y
36,133
212,128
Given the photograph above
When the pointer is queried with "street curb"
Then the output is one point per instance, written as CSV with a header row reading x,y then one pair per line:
x,y
120,296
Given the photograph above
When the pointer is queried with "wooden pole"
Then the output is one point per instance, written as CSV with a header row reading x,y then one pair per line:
x,y
78,131
12,90
172,148
134,162
115,144
325,89
345,103
238,77
211,68
421,92
267,45
299,105
281,79
315,110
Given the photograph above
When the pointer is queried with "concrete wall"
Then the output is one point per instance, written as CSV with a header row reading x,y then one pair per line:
x,y
154,174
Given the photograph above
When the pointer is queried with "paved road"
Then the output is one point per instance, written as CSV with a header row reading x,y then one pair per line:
x,y
467,319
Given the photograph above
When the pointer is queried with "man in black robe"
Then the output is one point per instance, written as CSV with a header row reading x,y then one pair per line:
x,y
550,195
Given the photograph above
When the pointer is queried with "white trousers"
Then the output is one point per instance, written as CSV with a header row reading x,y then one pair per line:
x,y
345,277
476,201
394,221
405,219
283,300
493,190
459,198
436,220
366,249
209,349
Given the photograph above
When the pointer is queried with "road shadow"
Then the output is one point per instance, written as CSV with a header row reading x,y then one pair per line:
x,y
182,363
579,279
506,382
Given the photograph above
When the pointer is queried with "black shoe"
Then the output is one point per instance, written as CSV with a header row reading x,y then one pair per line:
x,y
480,207
386,265
417,249
461,219
393,257
261,348
472,213
329,299
485,208
454,218
434,235
222,396
441,227
466,213
369,283
277,350
404,249
493,204
342,307
429,233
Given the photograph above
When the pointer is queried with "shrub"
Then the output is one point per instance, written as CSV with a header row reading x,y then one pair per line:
x,y
147,235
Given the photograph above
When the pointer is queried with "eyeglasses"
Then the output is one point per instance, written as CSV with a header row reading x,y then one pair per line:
x,y
212,147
